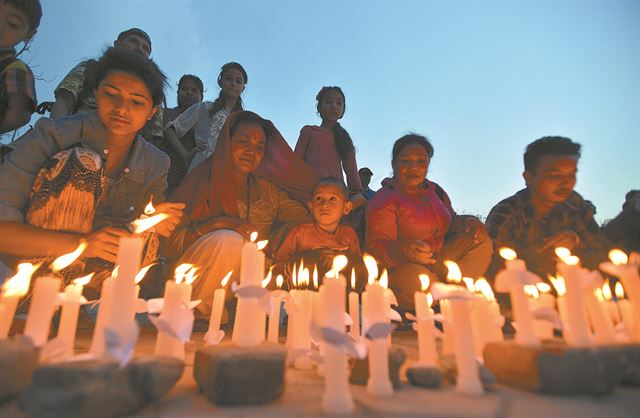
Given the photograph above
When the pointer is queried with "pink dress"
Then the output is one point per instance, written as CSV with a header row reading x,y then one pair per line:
x,y
396,213
316,146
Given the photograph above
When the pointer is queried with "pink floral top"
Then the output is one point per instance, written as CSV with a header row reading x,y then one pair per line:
x,y
396,213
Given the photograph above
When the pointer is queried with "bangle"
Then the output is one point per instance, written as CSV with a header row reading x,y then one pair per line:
x,y
194,228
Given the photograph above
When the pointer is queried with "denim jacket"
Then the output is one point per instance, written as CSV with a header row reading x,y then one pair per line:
x,y
144,174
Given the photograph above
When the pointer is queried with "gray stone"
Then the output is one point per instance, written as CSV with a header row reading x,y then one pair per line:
x,y
426,377
99,389
18,360
629,358
555,368
360,368
450,371
230,375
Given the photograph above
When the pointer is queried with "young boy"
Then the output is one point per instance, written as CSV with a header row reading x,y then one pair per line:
x,y
19,20
318,242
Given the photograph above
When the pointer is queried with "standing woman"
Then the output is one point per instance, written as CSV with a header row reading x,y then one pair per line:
x,y
207,118
328,148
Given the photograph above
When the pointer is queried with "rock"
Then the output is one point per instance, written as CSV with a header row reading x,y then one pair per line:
x,y
450,371
230,375
360,367
629,357
18,360
426,377
554,368
99,389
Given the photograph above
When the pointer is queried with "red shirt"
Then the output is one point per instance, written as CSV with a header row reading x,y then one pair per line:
x,y
395,213
309,237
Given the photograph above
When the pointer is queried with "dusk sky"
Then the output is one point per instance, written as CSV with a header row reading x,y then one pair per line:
x,y
480,79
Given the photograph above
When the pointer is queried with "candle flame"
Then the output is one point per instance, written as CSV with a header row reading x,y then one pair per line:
x,y
543,287
619,290
384,279
279,281
618,257
572,260
267,279
114,273
558,283
372,268
143,271
424,281
191,276
599,295
66,260
315,277
454,274
562,252
82,281
149,209
140,225
483,286
531,291
18,285
303,279
226,278
301,269
606,291
339,263
508,253
294,276
429,299
181,270
254,236
262,244
353,279
468,282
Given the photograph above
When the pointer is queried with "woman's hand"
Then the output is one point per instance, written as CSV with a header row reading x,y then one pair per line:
x,y
104,243
174,210
418,252
469,224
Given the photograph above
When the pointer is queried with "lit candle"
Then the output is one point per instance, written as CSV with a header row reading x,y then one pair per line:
x,y
627,272
612,307
43,305
547,300
378,312
104,307
249,316
427,354
11,292
302,320
626,311
468,380
543,327
603,332
561,290
70,310
512,280
336,397
485,317
354,308
177,295
569,268
213,335
274,318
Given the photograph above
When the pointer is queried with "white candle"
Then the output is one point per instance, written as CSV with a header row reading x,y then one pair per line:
x,y
11,292
468,380
354,308
626,311
274,322
43,305
485,317
514,277
378,312
302,324
547,300
336,397
217,307
291,320
448,337
427,354
175,296
579,335
603,331
630,278
612,307
69,314
248,330
104,307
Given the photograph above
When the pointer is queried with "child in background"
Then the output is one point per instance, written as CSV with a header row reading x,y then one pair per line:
x,y
328,148
19,20
318,242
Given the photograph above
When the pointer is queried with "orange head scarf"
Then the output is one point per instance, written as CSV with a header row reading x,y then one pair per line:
x,y
209,189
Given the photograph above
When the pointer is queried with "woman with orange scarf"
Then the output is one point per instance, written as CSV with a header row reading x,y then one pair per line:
x,y
252,181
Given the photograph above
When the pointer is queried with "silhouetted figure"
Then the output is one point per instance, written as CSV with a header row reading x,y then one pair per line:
x,y
624,230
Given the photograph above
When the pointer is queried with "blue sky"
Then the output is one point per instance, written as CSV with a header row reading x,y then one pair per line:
x,y
480,79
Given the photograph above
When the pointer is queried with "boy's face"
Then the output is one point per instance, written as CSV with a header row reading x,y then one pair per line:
x,y
554,178
14,26
328,204
188,94
135,43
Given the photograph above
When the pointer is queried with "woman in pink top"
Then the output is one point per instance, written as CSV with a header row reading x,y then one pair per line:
x,y
328,148
411,227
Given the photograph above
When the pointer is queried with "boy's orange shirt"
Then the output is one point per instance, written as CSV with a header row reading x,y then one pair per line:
x,y
306,237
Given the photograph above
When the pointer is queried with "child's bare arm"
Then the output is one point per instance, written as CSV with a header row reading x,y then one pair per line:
x,y
18,112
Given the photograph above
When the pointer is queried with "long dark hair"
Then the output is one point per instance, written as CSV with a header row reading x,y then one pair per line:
x,y
343,141
219,102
